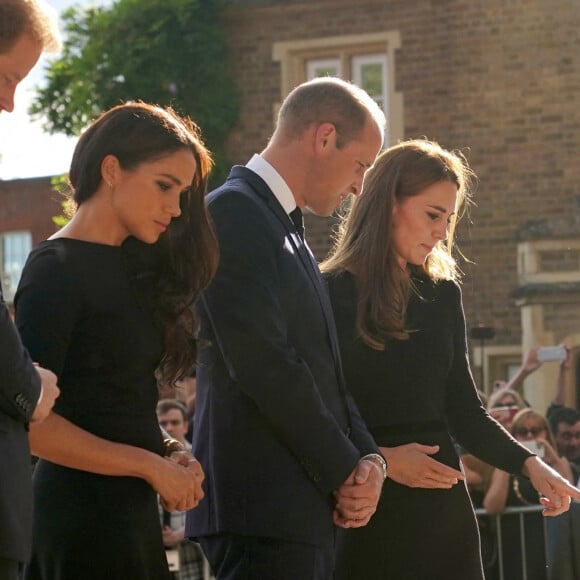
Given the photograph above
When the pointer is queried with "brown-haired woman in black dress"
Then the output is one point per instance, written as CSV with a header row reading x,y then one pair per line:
x,y
397,303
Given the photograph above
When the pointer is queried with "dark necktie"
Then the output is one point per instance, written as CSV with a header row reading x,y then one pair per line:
x,y
297,219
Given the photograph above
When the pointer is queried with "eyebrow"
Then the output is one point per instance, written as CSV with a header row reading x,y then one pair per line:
x,y
441,209
171,178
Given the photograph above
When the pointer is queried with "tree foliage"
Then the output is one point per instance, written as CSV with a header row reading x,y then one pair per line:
x,y
168,52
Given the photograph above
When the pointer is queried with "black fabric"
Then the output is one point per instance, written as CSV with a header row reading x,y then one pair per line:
x,y
79,315
9,569
418,390
19,392
234,557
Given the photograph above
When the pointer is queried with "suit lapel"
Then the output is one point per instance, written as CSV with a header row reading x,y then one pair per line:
x,y
302,250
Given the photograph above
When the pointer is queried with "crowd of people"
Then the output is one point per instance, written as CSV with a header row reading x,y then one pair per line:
x,y
330,402
550,551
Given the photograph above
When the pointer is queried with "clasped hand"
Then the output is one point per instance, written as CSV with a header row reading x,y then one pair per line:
x,y
179,483
357,498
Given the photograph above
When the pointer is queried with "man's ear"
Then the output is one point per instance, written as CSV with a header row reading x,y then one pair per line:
x,y
325,137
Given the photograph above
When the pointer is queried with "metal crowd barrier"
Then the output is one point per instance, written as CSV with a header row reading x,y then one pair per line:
x,y
519,512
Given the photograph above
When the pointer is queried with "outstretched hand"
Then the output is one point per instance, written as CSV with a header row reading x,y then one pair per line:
x,y
556,492
411,465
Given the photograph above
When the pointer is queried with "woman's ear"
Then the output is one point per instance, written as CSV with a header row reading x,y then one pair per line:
x,y
110,170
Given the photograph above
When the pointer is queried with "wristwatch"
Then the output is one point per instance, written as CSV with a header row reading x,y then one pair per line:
x,y
380,460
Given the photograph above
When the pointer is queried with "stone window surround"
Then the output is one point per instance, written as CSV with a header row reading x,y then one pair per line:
x,y
292,56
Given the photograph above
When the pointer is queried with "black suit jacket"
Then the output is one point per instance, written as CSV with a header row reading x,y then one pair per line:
x,y
19,392
274,428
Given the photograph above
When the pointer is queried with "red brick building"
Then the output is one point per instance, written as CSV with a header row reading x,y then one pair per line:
x,y
497,79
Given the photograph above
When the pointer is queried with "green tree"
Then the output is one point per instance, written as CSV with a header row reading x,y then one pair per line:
x,y
168,52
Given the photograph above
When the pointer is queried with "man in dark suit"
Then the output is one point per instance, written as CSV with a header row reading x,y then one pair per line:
x,y
284,449
27,393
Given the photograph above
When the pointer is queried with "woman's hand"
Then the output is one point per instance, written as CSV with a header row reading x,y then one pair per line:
x,y
411,465
179,487
556,491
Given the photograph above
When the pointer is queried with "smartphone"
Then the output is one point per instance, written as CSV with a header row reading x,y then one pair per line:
x,y
504,414
535,447
551,353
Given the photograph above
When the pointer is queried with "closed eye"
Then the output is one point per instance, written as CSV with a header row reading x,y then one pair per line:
x,y
163,186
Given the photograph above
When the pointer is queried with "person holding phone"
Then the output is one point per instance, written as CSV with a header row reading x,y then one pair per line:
x,y
531,429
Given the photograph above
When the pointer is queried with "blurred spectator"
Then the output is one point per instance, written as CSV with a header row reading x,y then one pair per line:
x,y
565,424
173,417
531,429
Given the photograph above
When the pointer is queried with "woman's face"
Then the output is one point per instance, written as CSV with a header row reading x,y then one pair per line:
x,y
421,221
530,428
146,199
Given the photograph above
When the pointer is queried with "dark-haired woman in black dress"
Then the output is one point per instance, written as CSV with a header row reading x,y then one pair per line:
x,y
105,305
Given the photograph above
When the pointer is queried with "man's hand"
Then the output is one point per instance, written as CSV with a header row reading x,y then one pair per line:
x,y
358,496
48,395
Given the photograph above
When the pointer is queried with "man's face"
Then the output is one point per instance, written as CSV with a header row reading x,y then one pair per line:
x,y
568,441
173,423
340,171
14,66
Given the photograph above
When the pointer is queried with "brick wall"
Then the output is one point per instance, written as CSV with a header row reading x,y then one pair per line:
x,y
496,79
29,204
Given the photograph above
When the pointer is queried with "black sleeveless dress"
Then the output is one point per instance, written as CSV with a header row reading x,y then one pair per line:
x,y
418,390
84,311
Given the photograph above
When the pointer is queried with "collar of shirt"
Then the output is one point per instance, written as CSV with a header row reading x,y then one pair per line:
x,y
274,181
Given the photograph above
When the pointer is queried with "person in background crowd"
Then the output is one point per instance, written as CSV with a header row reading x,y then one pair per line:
x,y
531,428
173,418
104,303
565,424
27,392
397,304
274,426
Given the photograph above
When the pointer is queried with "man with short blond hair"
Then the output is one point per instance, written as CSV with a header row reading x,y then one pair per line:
x,y
27,393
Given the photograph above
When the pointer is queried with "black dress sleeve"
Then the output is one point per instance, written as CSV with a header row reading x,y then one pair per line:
x,y
47,304
469,422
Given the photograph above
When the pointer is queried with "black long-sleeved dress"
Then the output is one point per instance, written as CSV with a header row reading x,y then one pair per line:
x,y
83,311
418,390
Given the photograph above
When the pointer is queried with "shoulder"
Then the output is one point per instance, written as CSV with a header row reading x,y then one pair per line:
x,y
340,282
439,290
50,257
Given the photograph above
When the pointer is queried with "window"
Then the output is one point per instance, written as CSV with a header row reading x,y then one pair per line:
x,y
329,67
14,249
367,59
370,73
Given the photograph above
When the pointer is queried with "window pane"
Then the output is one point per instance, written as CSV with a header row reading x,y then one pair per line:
x,y
372,79
15,249
327,67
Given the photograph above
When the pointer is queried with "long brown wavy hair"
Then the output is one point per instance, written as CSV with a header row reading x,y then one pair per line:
x,y
187,253
364,244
